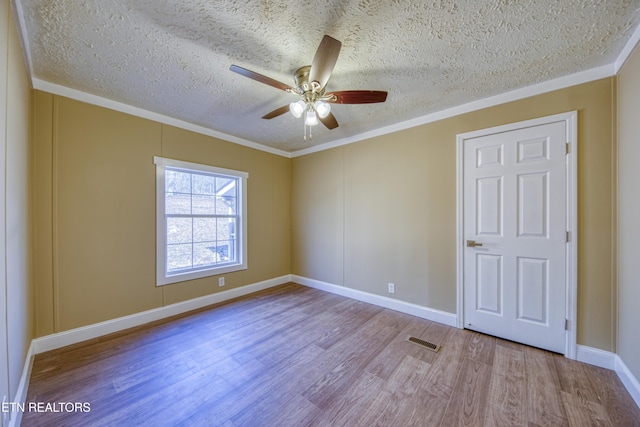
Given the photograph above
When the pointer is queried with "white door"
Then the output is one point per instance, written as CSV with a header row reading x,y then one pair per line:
x,y
515,233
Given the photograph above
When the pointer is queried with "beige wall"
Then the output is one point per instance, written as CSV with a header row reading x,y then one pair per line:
x,y
95,212
383,210
94,180
629,212
16,282
325,216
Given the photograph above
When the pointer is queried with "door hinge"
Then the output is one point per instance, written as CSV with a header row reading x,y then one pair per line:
x,y
566,237
566,324
566,148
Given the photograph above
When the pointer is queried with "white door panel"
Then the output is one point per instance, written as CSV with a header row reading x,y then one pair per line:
x,y
514,196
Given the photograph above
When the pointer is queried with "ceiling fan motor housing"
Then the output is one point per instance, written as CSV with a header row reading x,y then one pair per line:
x,y
301,77
309,91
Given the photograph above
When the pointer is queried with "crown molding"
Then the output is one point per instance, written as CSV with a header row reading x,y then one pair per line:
x,y
526,92
146,114
514,95
627,50
537,89
18,14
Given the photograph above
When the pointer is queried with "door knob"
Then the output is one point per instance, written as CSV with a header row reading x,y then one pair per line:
x,y
473,243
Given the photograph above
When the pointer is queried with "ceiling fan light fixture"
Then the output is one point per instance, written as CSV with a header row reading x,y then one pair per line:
x,y
311,119
322,108
297,108
310,85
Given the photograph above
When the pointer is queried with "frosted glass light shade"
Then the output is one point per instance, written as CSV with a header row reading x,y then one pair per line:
x,y
322,108
311,119
297,108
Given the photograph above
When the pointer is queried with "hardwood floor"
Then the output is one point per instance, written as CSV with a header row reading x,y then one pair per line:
x,y
295,356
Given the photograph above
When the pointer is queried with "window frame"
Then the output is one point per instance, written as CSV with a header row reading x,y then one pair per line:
x,y
162,276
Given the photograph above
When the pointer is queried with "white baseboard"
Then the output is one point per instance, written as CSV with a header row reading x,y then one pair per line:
x,y
590,355
595,356
72,336
23,387
390,303
630,382
611,361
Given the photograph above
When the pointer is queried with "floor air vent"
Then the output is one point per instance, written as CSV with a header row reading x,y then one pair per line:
x,y
425,344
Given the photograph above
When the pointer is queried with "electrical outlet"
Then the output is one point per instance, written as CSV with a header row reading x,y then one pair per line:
x,y
392,288
220,281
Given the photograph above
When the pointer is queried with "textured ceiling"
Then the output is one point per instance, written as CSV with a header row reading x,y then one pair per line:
x,y
173,57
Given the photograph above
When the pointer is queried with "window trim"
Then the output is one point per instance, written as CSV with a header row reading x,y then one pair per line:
x,y
162,277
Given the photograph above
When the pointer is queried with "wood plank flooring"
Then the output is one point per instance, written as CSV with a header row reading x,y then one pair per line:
x,y
295,356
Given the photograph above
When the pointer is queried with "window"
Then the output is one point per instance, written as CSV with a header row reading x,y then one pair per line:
x,y
201,220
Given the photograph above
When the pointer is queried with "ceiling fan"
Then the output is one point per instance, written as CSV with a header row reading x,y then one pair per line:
x,y
310,84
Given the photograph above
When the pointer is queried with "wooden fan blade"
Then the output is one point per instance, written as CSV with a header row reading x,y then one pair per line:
x,y
277,112
330,121
357,96
262,79
324,60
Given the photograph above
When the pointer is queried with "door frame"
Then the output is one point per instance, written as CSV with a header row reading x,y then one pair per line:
x,y
571,274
